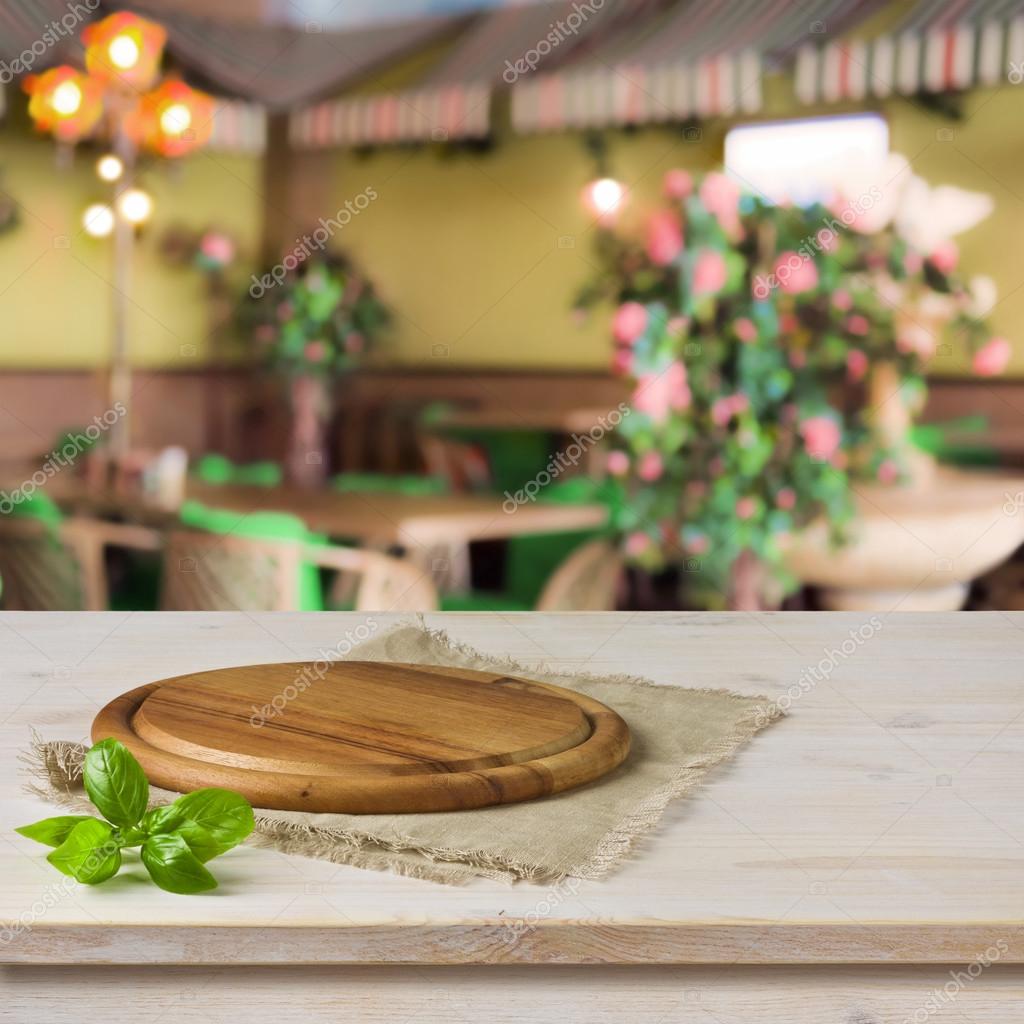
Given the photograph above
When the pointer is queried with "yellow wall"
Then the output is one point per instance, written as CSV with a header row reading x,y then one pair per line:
x,y
478,254
55,290
467,249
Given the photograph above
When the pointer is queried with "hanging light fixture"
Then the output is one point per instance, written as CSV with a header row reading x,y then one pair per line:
x,y
135,205
65,102
124,49
98,220
174,119
109,167
603,198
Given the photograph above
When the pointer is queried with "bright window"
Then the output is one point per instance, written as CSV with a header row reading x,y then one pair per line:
x,y
802,161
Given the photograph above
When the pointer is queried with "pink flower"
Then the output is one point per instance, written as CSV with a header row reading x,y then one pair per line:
x,y
785,498
746,507
659,394
696,542
637,544
696,489
677,326
622,360
945,257
629,323
842,300
721,197
858,324
650,467
828,240
915,338
856,364
677,184
617,463
664,238
788,323
888,472
798,359
821,437
285,311
316,351
990,360
795,273
217,248
912,262
354,342
708,273
745,329
723,409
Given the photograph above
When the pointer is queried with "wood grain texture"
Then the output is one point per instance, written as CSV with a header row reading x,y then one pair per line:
x,y
511,995
879,823
361,738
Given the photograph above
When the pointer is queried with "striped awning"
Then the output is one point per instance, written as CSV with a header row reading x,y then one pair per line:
x,y
703,58
938,47
453,100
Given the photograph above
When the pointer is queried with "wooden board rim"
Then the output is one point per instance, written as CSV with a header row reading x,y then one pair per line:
x,y
603,750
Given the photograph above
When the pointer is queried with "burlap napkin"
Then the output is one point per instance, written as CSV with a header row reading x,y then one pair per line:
x,y
678,736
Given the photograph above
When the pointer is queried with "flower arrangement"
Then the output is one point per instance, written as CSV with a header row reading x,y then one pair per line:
x,y
751,333
319,319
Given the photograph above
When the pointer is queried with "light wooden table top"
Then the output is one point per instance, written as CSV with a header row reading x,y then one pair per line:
x,y
880,822
406,520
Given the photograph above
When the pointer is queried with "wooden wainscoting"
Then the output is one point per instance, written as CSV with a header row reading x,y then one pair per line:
x,y
245,415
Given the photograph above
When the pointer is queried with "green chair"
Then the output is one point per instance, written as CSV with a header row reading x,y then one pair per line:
x,y
269,561
50,562
219,469
934,438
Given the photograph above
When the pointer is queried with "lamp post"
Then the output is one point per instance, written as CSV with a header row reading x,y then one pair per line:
x,y
115,98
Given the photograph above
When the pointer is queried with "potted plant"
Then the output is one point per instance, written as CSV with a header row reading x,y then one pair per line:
x,y
311,324
775,354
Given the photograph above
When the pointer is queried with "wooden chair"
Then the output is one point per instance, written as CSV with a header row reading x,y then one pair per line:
x,y
62,568
223,572
587,581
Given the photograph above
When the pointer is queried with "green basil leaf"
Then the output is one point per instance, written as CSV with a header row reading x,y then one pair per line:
x,y
211,821
116,783
53,831
89,854
174,867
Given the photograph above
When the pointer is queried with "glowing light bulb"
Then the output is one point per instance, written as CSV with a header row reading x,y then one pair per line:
x,y
66,99
604,197
98,220
176,119
123,52
135,205
109,167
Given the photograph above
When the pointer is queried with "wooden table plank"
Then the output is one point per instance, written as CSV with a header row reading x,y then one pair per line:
x,y
880,822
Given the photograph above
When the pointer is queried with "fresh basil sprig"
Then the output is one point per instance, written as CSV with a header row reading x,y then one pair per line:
x,y
176,839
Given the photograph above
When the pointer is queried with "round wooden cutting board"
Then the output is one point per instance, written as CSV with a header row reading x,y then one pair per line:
x,y
365,737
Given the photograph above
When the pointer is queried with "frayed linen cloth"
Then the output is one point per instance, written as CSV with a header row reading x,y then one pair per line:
x,y
678,736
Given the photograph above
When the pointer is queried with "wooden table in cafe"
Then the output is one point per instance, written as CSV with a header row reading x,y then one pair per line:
x,y
860,862
382,520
